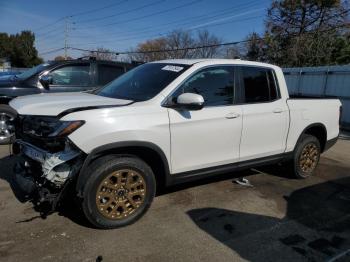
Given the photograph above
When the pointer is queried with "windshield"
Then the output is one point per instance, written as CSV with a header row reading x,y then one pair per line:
x,y
143,82
32,71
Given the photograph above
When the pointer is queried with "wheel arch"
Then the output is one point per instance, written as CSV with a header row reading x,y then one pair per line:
x,y
317,130
148,152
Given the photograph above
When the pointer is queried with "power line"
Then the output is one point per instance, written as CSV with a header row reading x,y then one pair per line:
x,y
98,9
53,38
146,16
181,49
163,34
195,47
160,50
51,51
190,21
187,21
90,11
80,14
57,32
49,32
50,24
205,16
196,28
121,13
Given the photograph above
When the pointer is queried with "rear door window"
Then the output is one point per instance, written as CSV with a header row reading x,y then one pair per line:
x,y
107,73
258,85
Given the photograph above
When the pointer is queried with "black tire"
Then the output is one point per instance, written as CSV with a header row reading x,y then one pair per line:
x,y
99,171
6,134
304,171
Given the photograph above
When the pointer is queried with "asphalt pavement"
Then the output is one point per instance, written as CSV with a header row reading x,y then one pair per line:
x,y
278,219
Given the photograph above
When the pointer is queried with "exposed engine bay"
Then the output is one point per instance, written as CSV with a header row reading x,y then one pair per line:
x,y
43,173
54,166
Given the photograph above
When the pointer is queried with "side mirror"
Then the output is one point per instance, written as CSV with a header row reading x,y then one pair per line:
x,y
46,81
190,101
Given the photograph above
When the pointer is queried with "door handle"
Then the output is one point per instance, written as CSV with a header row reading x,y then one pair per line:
x,y
277,110
232,115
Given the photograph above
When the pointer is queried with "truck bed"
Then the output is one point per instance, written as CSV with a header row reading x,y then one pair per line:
x,y
307,111
296,96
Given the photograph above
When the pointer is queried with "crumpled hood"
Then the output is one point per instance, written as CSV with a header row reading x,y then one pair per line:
x,y
54,104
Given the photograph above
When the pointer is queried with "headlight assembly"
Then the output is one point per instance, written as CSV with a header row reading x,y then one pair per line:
x,y
49,126
66,128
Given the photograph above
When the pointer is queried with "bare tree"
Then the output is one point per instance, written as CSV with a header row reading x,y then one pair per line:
x,y
297,33
178,44
143,52
233,52
61,58
205,38
180,39
290,17
303,33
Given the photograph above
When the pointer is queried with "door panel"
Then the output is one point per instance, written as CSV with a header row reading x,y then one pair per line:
x,y
264,131
210,136
204,138
265,114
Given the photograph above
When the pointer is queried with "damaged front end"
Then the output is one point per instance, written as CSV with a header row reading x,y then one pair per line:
x,y
48,161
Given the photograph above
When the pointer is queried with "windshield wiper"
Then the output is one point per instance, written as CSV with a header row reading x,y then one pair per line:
x,y
125,98
120,97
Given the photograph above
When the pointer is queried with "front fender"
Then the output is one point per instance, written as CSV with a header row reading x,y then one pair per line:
x,y
108,149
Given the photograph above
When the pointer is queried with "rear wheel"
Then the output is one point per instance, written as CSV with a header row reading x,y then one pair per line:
x,y
7,116
306,156
118,191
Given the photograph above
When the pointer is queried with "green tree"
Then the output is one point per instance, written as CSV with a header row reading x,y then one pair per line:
x,y
255,48
20,49
341,52
303,33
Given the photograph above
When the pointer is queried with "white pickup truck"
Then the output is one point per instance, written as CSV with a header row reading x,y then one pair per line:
x,y
162,123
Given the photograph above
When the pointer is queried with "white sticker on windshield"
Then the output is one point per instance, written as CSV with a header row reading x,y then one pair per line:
x,y
172,68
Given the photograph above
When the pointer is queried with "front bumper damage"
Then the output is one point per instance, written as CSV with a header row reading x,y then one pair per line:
x,y
43,177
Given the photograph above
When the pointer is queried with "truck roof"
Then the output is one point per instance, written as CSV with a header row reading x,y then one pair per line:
x,y
213,61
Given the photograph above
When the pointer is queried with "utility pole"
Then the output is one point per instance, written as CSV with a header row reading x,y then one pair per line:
x,y
65,37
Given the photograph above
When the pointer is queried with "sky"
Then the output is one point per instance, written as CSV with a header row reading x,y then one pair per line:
x,y
120,25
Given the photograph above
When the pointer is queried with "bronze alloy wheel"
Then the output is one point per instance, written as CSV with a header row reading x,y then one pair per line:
x,y
309,158
120,194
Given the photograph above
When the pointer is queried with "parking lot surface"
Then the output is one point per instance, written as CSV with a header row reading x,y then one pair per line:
x,y
278,219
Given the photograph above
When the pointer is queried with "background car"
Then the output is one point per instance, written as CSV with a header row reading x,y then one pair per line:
x,y
78,75
4,75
